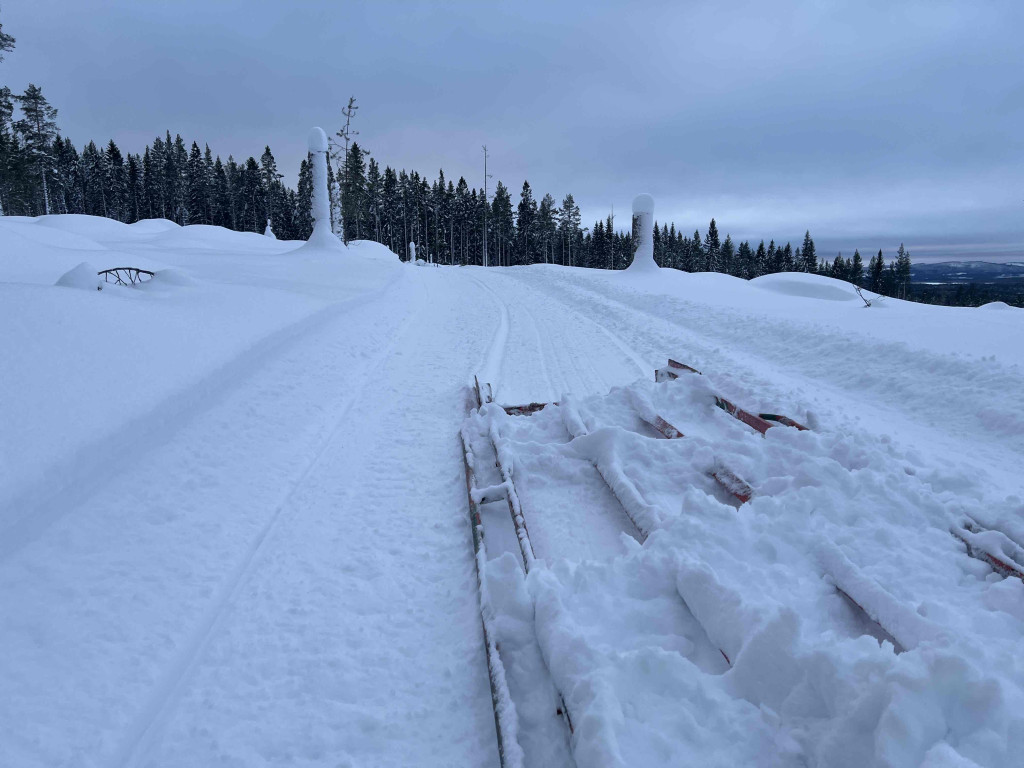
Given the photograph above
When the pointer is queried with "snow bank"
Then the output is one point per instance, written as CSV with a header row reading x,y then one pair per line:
x,y
371,249
807,286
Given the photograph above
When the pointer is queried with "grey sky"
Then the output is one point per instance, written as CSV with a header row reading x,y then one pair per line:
x,y
868,123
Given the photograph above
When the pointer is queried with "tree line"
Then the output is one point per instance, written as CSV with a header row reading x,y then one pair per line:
x,y
43,172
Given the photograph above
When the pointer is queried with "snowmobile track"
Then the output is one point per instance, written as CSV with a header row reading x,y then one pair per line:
x,y
151,717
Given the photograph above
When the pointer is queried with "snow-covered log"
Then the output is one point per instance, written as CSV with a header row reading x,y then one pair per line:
x,y
643,257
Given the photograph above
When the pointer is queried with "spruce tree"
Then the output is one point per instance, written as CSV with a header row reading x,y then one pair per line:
x,y
304,202
712,248
902,272
135,192
810,258
94,180
220,195
526,215
876,269
196,205
115,189
857,268
353,192
761,262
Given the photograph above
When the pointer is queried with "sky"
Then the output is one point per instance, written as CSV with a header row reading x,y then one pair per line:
x,y
868,123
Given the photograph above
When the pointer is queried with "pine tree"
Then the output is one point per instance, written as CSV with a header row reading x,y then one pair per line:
x,y
38,129
6,43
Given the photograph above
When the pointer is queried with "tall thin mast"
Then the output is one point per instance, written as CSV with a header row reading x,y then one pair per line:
x,y
486,176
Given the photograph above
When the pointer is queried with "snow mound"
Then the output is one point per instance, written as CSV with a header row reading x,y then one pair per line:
x,y
370,249
83,277
94,227
154,225
807,286
209,236
170,277
996,305
49,235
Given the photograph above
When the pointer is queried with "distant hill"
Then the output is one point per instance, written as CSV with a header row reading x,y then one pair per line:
x,y
967,272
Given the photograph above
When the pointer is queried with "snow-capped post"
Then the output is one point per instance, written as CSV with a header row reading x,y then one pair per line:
x,y
269,231
412,252
322,235
643,257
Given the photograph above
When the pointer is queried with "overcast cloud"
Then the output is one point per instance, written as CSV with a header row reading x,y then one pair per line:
x,y
869,123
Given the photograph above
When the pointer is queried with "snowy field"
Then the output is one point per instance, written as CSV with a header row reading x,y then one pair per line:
x,y
234,531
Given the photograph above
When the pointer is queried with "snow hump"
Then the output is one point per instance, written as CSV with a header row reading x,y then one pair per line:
x,y
317,140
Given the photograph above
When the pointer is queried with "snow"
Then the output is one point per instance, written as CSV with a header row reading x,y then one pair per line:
x,y
233,518
83,277
807,286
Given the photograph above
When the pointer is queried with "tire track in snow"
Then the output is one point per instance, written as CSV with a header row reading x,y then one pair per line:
x,y
150,720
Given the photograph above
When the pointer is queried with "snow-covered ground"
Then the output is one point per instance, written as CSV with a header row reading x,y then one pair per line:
x,y
233,519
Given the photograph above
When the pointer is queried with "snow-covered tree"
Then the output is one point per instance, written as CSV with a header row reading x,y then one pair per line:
x,y
322,235
643,214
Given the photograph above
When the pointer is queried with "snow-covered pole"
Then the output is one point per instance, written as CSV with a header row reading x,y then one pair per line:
x,y
322,235
412,252
643,257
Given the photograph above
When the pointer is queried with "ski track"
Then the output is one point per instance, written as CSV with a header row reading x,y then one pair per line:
x,y
145,731
72,479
